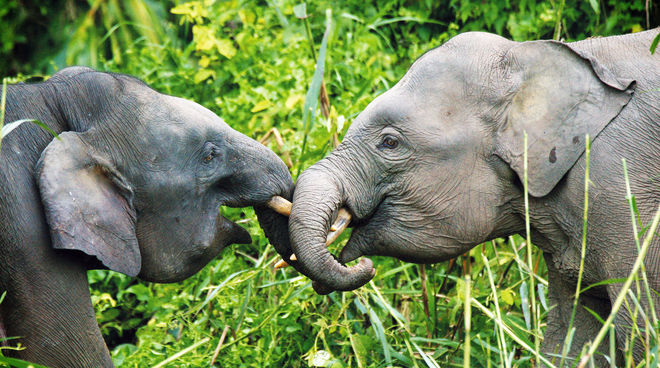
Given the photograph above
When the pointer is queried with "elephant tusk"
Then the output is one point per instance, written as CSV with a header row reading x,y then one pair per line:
x,y
281,264
283,207
279,205
338,227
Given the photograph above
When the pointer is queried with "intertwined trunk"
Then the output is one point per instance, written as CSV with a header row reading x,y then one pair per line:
x,y
317,199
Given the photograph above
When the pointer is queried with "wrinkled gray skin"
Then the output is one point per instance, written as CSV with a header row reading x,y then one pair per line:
x,y
133,185
434,166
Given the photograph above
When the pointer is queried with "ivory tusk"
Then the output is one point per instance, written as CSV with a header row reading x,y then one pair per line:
x,y
281,264
283,207
338,227
280,205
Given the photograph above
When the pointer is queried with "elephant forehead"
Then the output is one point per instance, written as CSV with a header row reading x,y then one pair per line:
x,y
182,117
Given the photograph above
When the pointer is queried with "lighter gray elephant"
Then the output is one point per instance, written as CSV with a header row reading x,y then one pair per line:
x,y
435,166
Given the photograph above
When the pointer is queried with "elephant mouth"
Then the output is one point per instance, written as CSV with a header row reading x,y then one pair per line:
x,y
341,222
238,235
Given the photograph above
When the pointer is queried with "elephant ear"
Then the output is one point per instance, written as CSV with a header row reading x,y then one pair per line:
x,y
557,95
88,204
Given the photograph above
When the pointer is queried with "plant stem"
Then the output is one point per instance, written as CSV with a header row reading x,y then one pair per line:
x,y
497,310
530,265
468,317
558,23
584,246
631,199
624,290
3,99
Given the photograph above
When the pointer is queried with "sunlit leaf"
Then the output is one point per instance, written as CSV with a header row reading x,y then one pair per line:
x,y
300,11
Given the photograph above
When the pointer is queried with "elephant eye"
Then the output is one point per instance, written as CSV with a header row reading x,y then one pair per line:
x,y
210,152
389,142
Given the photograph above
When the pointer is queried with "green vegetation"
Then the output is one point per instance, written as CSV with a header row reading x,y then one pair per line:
x,y
253,63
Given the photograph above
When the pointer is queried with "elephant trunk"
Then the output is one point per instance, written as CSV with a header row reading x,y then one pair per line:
x,y
316,201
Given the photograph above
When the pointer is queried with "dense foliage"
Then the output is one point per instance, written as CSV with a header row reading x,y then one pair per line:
x,y
252,63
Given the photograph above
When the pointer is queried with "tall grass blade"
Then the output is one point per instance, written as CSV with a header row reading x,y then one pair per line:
x,y
509,332
429,362
182,352
634,213
3,100
468,319
380,332
17,363
220,286
583,251
498,313
530,265
312,96
7,128
612,347
624,289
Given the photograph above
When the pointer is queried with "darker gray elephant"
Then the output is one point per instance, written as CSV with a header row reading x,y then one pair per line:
x,y
435,166
133,184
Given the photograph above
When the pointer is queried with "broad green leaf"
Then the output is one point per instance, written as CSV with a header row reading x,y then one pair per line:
x,y
260,106
320,359
203,74
300,11
524,304
293,100
226,48
542,291
204,37
507,296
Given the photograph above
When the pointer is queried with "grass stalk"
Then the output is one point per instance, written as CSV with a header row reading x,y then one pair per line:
x,y
530,265
612,347
182,352
425,297
498,321
498,313
468,317
3,101
632,205
557,32
624,290
314,91
583,250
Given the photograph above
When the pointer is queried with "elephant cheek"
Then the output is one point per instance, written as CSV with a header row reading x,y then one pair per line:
x,y
177,256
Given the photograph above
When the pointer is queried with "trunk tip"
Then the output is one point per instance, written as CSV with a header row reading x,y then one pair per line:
x,y
364,272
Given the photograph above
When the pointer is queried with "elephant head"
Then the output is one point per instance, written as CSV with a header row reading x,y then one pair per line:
x,y
138,179
434,166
